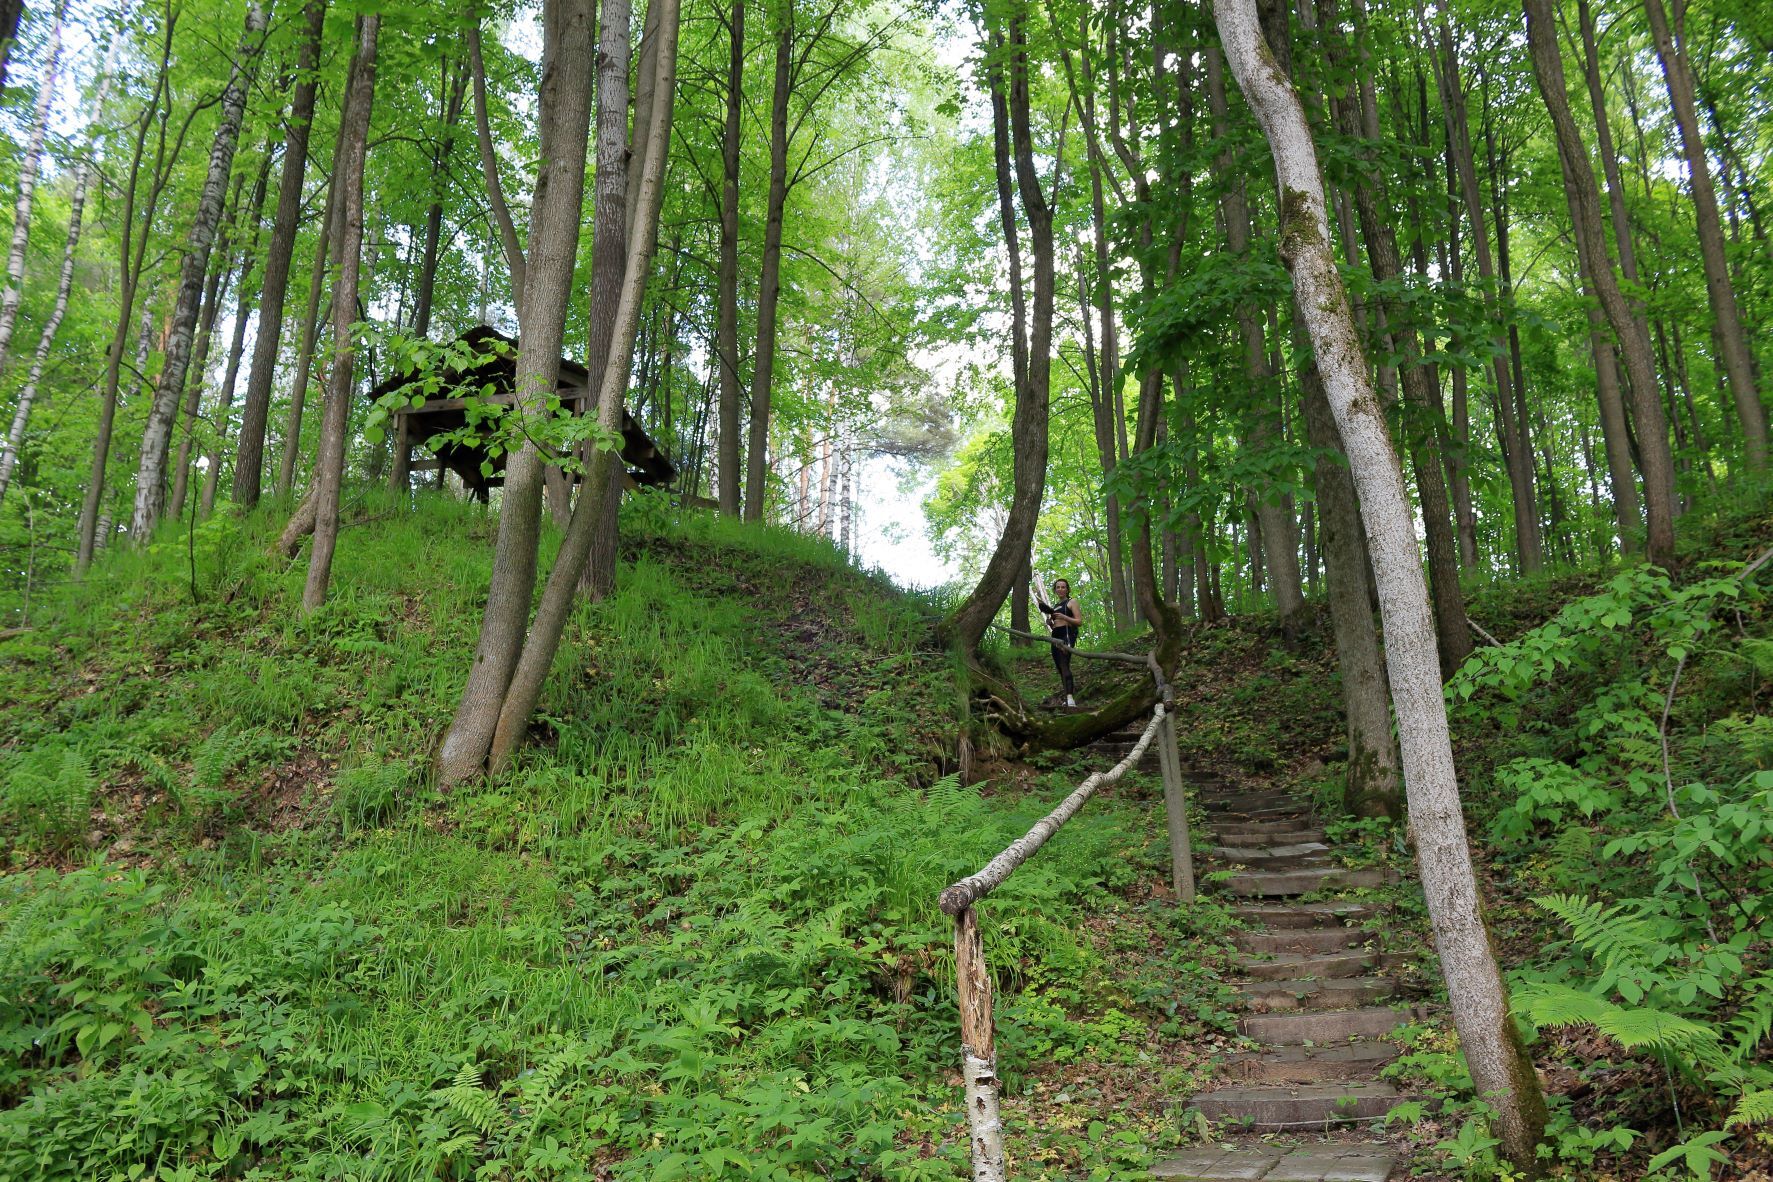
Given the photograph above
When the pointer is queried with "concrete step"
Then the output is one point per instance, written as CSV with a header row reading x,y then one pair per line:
x,y
1321,1028
1273,1108
1306,966
1301,940
1282,1163
1304,915
1336,993
1355,1060
1281,883
1288,855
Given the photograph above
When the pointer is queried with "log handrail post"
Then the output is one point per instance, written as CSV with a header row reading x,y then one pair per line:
x,y
971,974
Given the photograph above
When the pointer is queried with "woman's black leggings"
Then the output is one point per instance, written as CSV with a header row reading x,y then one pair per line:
x,y
1062,657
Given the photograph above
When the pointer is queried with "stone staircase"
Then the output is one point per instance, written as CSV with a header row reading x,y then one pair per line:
x,y
1317,1001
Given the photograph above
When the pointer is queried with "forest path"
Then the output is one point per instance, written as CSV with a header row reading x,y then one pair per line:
x,y
1318,1001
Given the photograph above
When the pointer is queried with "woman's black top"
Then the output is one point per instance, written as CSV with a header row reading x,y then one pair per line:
x,y
1066,633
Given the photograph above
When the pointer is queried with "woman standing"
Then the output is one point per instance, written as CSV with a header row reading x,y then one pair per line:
x,y
1063,618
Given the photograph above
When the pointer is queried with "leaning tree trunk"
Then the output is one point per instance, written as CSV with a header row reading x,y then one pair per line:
x,y
575,548
255,411
27,186
21,415
1494,1053
965,626
348,258
565,105
1371,787
1677,69
1654,456
726,319
150,486
769,283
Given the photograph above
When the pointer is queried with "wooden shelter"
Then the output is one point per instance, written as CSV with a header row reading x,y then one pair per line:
x,y
646,462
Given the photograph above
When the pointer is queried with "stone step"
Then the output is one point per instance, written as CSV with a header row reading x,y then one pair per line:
x,y
1336,993
1280,883
1273,1108
1306,966
1301,940
1289,855
1251,833
1355,1060
1282,1163
1304,915
1322,1028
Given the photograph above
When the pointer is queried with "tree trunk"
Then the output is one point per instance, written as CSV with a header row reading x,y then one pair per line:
x,y
539,649
489,167
769,284
255,411
312,316
21,415
150,490
1528,548
966,624
1371,787
1452,631
132,250
553,249
1492,1045
726,331
452,111
348,258
609,254
1727,319
1583,195
27,185
1278,534
247,295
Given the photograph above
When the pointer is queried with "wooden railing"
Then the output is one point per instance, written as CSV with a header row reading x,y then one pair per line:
x,y
978,1036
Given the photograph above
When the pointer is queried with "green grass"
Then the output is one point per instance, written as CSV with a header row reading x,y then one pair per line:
x,y
691,933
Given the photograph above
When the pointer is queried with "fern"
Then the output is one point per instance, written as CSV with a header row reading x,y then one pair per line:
x,y
1752,1109
478,1108
49,792
1755,1021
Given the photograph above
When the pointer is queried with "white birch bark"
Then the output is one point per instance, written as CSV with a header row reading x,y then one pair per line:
x,y
150,491
27,188
1498,1063
21,415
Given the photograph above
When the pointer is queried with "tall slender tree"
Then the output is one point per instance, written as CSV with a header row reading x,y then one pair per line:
x,y
150,490
255,410
347,260
1491,1042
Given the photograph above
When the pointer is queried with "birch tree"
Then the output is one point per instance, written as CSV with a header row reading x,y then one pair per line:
x,y
150,486
1498,1061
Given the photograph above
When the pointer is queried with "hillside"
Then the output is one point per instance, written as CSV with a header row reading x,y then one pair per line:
x,y
693,934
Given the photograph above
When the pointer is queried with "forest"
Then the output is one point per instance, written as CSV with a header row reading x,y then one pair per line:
x,y
886,589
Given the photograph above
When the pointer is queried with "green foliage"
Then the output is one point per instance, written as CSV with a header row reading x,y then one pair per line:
x,y
48,794
1619,783
691,934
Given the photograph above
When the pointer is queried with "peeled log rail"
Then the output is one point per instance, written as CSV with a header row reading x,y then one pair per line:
x,y
978,1043
971,889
